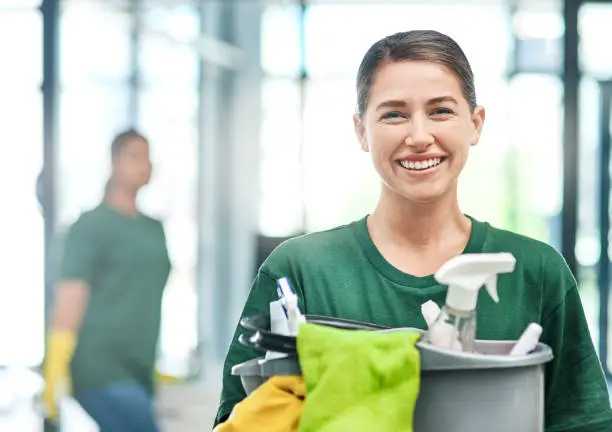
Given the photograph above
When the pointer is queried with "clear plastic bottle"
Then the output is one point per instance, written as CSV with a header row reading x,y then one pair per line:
x,y
453,330
455,327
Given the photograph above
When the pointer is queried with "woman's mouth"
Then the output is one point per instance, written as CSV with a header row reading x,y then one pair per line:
x,y
422,165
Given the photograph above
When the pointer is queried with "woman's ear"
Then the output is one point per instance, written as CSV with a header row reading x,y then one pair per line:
x,y
360,132
478,118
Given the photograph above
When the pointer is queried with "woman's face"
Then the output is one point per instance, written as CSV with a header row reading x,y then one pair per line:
x,y
418,127
132,167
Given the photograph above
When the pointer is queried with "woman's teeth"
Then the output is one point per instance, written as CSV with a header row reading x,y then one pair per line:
x,y
420,165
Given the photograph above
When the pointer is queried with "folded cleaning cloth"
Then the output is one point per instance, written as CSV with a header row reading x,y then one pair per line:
x,y
358,380
275,406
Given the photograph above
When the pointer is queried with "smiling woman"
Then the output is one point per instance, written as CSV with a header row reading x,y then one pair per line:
x,y
418,119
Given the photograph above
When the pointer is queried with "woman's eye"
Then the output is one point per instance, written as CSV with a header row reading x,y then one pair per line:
x,y
442,111
392,115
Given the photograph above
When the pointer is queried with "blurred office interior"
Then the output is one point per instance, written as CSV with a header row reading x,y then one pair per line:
x,y
248,105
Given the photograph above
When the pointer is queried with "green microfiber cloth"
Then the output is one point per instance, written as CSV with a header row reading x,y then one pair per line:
x,y
358,380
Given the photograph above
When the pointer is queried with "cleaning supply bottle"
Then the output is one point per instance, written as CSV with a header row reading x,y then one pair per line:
x,y
455,326
430,311
528,340
289,302
279,324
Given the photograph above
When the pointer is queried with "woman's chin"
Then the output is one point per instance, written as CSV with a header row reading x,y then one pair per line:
x,y
421,195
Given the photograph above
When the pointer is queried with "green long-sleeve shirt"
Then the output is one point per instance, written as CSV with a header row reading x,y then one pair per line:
x,y
341,273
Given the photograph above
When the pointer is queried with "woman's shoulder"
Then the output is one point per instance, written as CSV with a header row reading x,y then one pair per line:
x,y
536,257
503,238
313,247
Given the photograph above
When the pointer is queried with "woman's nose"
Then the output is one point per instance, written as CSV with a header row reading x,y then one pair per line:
x,y
418,134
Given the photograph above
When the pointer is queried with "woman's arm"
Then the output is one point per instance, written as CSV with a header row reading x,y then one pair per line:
x,y
263,291
576,391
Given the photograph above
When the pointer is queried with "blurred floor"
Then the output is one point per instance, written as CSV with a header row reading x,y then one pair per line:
x,y
189,408
182,407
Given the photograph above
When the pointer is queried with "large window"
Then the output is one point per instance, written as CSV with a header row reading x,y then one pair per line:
x,y
282,205
21,223
535,112
168,110
281,210
100,99
587,237
340,182
596,66
94,102
19,5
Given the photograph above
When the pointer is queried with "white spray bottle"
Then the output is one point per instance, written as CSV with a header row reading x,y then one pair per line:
x,y
289,302
455,326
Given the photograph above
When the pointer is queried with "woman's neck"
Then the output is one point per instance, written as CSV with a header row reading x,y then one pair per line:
x,y
420,224
419,237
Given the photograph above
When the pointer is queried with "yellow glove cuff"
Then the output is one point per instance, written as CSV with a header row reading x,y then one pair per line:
x,y
60,348
163,378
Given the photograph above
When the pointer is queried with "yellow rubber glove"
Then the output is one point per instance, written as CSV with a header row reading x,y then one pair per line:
x,y
163,378
60,348
275,406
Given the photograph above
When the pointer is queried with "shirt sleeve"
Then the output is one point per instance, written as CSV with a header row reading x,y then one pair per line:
x,y
80,253
577,397
263,291
164,243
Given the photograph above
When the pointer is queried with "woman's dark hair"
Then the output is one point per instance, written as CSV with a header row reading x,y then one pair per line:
x,y
117,146
416,45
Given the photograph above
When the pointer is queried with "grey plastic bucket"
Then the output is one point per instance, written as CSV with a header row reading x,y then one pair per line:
x,y
459,392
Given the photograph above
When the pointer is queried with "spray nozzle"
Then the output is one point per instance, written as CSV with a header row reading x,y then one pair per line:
x,y
467,273
491,287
